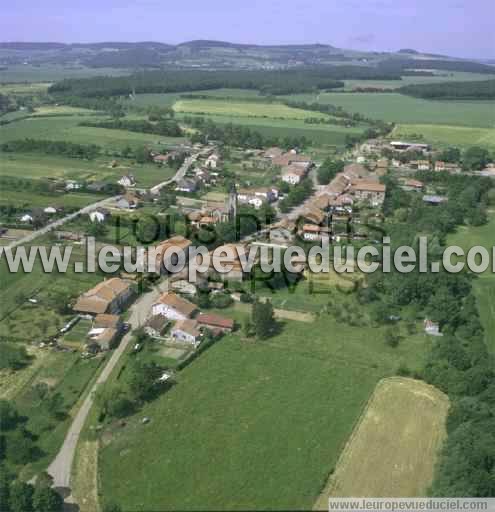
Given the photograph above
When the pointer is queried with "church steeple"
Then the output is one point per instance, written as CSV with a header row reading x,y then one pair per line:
x,y
232,203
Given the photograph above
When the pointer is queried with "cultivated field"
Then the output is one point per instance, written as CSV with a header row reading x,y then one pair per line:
x,y
243,109
444,135
405,109
393,449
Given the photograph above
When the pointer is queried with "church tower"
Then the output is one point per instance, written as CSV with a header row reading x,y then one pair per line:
x,y
232,204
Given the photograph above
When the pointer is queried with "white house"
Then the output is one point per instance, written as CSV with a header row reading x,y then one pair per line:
x,y
50,210
127,180
186,331
98,215
72,185
26,218
293,174
173,307
212,161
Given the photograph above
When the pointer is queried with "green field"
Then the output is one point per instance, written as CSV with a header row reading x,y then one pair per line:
x,y
229,108
247,420
405,109
37,166
484,285
66,128
456,76
445,135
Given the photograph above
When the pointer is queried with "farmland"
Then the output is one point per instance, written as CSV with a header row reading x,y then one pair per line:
x,y
67,128
444,135
404,109
243,109
249,449
375,463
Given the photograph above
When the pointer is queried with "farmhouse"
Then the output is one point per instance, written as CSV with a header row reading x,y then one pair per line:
x,y
408,146
313,233
371,191
213,161
173,307
293,174
174,246
128,201
410,185
104,337
109,296
292,158
127,180
187,185
98,215
215,323
155,326
420,165
161,159
432,328
187,331
230,255
355,171
441,166
272,153
106,321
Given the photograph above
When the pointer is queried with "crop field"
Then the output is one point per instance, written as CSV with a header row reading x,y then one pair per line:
x,y
405,109
455,76
29,199
444,135
394,447
243,109
310,383
24,88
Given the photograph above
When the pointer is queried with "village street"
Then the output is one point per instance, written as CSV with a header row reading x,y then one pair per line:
x,y
60,468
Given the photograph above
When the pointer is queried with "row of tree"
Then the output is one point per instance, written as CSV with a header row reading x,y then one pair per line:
x,y
51,147
476,90
166,128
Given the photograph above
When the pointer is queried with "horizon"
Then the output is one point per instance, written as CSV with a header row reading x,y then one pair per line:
x,y
451,28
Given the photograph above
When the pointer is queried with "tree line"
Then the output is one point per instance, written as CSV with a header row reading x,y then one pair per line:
x,y
51,147
166,128
475,90
458,362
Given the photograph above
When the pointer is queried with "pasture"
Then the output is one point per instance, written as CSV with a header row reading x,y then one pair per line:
x,y
394,447
308,385
398,108
67,128
446,135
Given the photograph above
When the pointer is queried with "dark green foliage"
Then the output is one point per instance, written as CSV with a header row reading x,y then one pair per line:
x,y
13,357
52,147
296,196
162,127
476,90
21,497
475,158
262,319
45,499
328,170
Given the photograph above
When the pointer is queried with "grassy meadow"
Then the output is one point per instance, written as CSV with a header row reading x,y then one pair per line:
x,y
280,412
446,135
376,463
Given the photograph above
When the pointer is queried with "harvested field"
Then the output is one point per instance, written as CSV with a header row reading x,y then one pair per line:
x,y
393,449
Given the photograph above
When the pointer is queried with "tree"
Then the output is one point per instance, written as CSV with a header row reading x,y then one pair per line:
x,y
5,480
45,499
328,170
21,497
112,507
263,319
391,338
20,448
475,158
9,417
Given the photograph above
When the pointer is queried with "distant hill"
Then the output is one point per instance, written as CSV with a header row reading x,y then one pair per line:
x,y
220,55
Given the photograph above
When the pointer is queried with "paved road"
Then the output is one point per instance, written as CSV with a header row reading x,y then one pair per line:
x,y
60,468
178,175
57,223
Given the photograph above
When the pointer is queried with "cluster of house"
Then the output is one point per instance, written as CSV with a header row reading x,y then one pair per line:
x,y
355,184
293,165
188,323
103,304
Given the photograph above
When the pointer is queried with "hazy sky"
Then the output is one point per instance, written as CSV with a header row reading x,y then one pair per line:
x,y
457,27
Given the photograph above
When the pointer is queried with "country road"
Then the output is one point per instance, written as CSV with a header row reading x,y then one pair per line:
x,y
57,223
60,468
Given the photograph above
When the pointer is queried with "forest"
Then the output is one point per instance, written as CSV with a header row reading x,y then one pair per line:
x,y
458,363
267,82
476,90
